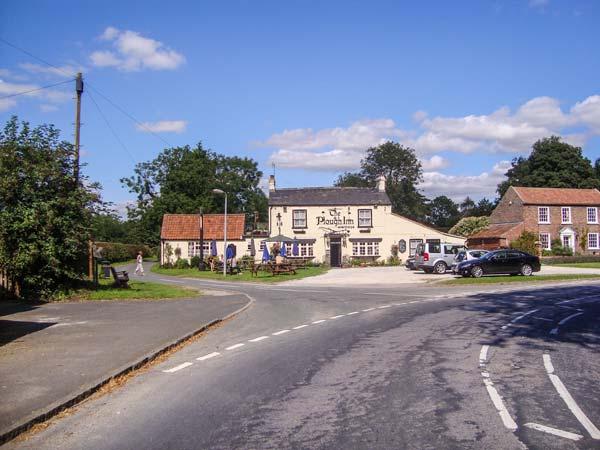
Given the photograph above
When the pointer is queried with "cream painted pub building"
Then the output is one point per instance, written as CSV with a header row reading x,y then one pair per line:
x,y
335,225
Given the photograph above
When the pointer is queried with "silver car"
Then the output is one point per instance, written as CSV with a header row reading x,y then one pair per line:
x,y
436,256
467,255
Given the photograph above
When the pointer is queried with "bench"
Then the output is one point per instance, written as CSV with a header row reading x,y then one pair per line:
x,y
230,269
274,268
121,277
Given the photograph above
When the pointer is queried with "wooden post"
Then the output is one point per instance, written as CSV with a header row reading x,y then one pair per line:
x,y
91,260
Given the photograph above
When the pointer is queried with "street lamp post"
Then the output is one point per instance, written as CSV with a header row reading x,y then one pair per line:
x,y
201,265
222,192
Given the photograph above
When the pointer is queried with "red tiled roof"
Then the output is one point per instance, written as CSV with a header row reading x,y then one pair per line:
x,y
558,196
187,226
498,230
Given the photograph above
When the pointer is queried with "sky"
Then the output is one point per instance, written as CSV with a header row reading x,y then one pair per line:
x,y
305,87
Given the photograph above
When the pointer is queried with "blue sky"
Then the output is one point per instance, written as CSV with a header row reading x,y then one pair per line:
x,y
310,85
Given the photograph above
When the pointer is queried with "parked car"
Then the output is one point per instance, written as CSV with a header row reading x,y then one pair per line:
x,y
467,255
511,262
436,256
410,263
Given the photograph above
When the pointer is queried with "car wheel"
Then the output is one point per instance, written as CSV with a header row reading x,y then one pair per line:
x,y
526,270
476,272
440,268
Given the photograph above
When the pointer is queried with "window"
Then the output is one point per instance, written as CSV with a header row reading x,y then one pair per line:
x,y
566,241
593,241
365,218
543,214
434,247
545,241
305,249
194,249
412,246
262,246
592,215
565,214
364,248
299,218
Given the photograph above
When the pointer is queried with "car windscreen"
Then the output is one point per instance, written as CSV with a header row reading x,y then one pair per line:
x,y
461,256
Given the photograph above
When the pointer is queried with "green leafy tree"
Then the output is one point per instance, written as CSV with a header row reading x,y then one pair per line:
x,y
470,225
181,179
402,170
44,214
443,212
484,207
552,163
467,207
525,242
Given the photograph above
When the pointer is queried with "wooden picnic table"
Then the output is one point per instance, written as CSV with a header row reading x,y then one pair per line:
x,y
274,268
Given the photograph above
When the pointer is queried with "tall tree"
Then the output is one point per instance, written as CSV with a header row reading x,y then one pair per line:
x,y
467,207
484,207
552,163
44,213
443,212
180,180
403,172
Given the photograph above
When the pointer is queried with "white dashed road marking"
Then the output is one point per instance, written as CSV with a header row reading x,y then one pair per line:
x,y
277,333
516,319
565,320
507,420
554,431
179,367
337,317
566,396
210,355
258,339
233,347
368,309
316,322
384,306
299,326
483,355
352,313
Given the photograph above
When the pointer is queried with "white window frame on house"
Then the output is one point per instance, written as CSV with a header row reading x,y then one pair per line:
x,y
546,209
565,215
363,220
545,241
305,249
597,243
593,217
299,218
194,248
365,248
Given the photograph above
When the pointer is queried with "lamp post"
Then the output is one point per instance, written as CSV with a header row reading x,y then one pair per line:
x,y
222,192
201,265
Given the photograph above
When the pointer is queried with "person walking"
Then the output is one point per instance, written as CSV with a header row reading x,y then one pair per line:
x,y
139,267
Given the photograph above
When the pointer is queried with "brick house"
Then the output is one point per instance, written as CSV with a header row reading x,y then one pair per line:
x,y
550,213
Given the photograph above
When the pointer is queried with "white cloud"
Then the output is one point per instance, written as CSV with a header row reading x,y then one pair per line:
x,y
588,112
133,52
7,103
48,95
61,71
48,108
163,126
457,187
434,163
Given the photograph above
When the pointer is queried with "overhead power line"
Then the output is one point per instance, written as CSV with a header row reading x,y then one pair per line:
x,y
10,44
36,89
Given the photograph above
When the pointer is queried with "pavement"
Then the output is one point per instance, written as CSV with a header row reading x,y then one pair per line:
x,y
365,367
52,353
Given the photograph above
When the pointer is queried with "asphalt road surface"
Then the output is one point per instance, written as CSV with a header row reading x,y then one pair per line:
x,y
364,368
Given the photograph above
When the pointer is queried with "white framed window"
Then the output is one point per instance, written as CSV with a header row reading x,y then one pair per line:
x,y
299,218
593,241
261,247
543,214
364,248
592,215
412,246
545,241
365,218
194,248
565,214
305,249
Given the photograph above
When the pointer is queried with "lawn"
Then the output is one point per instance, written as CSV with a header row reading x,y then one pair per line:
x,y
583,265
137,290
518,279
245,276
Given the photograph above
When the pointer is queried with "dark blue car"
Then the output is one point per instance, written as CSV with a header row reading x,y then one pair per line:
x,y
511,262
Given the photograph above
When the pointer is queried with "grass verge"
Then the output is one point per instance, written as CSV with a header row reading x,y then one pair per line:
x,y
246,276
138,290
518,279
584,265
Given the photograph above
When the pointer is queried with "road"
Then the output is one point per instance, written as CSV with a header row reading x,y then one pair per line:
x,y
417,367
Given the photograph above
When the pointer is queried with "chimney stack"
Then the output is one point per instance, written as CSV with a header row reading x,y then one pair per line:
x,y
381,183
272,183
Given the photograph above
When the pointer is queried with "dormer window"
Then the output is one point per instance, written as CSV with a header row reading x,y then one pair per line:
x,y
565,214
543,214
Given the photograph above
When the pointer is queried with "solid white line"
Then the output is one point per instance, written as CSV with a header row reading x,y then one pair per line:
x,y
319,321
368,309
384,306
337,317
232,347
179,367
210,355
483,354
554,431
415,301
352,313
499,404
565,320
299,326
258,339
571,404
277,333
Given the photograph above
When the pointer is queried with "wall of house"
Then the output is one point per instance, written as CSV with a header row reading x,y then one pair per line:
x,y
509,209
323,220
241,249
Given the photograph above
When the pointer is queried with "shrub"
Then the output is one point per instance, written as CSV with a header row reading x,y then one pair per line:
x,y
393,261
470,225
181,264
550,260
195,261
117,252
526,243
559,250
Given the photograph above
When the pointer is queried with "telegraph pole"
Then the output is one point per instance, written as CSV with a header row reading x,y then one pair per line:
x,y
79,91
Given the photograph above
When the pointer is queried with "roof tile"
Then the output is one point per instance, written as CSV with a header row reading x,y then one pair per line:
x,y
558,196
187,226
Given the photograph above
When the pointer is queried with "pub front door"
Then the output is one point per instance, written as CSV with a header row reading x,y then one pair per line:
x,y
335,251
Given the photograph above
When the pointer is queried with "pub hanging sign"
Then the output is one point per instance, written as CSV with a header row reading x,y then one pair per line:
x,y
333,217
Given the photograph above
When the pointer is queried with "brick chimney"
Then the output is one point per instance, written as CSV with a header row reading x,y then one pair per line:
x,y
272,183
381,183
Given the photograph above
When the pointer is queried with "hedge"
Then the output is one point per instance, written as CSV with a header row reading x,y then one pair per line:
x,y
117,252
550,260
